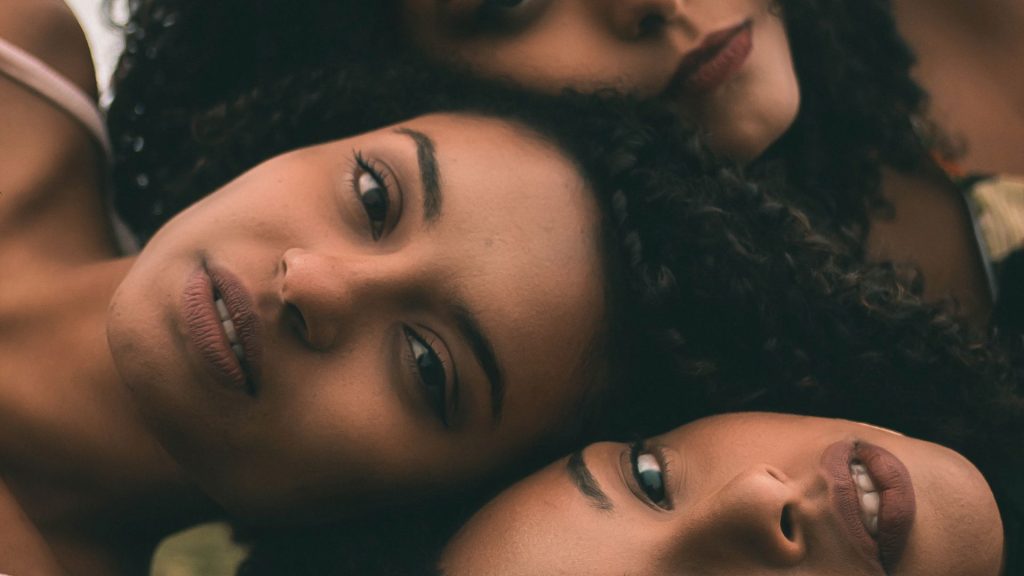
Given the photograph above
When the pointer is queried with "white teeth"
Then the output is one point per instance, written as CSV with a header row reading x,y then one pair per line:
x,y
861,477
867,494
869,502
222,309
872,525
229,328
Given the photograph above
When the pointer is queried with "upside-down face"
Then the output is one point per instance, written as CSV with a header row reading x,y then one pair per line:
x,y
725,64
743,494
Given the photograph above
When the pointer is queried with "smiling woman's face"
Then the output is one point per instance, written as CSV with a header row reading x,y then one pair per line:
x,y
743,494
410,309
724,63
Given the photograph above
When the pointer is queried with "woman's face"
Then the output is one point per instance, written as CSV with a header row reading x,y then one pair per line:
x,y
724,63
411,309
743,494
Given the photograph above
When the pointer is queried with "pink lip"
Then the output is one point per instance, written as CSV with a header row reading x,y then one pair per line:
x,y
717,59
207,335
898,503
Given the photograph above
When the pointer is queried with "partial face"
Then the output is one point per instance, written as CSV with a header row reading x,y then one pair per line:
x,y
743,494
724,63
367,320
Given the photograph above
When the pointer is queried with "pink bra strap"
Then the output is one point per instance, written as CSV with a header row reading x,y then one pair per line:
x,y
36,75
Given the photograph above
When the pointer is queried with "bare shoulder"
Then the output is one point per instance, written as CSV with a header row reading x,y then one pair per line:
x,y
49,30
22,548
969,54
978,19
51,171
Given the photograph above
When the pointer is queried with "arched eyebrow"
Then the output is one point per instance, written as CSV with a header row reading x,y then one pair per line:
x,y
465,320
430,173
586,483
474,335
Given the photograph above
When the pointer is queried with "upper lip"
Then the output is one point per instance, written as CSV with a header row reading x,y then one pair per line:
x,y
247,323
897,496
707,49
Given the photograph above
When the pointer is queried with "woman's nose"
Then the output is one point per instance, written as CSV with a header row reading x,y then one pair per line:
x,y
637,19
757,520
322,296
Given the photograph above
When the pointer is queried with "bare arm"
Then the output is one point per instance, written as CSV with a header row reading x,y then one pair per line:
x,y
22,549
51,204
971,54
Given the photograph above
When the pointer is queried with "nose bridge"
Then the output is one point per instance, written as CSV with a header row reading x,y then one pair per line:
x,y
322,293
755,520
637,19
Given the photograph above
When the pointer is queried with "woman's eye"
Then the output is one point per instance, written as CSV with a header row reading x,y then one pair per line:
x,y
373,194
649,475
495,12
502,4
429,369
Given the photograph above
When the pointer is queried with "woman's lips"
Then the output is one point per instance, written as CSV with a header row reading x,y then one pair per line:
x,y
895,492
717,59
209,333
898,502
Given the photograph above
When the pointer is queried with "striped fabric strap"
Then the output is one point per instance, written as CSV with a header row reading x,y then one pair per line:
x,y
39,77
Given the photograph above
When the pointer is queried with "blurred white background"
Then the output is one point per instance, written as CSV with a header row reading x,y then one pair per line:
x,y
104,39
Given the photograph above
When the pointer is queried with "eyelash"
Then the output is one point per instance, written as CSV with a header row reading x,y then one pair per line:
x,y
381,178
440,403
637,449
491,14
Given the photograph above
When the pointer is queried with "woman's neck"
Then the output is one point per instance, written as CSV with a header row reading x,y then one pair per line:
x,y
74,450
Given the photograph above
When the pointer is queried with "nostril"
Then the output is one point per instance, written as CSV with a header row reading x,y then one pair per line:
x,y
786,523
651,25
297,322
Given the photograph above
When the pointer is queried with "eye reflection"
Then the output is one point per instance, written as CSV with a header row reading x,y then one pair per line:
x,y
374,195
649,474
429,370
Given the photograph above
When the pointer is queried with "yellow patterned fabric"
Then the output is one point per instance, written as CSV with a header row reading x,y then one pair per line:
x,y
998,206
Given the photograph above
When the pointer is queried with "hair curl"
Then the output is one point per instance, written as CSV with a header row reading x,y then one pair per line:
x,y
860,110
728,299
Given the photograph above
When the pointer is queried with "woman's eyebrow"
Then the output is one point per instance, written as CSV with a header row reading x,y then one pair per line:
x,y
473,334
430,174
586,483
468,325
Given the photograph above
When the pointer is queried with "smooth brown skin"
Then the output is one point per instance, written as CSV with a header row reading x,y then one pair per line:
x,y
969,54
86,483
548,45
728,479
339,418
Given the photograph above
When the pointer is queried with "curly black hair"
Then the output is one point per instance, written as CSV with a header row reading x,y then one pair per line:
x,y
726,297
860,109
729,297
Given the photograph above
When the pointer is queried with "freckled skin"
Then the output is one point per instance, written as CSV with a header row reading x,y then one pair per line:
x,y
729,478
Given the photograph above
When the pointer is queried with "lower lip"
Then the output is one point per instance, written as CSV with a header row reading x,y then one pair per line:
x,y
896,491
206,334
726,62
898,502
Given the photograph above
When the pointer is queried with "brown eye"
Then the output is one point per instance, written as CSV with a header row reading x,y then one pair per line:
x,y
649,475
501,4
373,194
429,369
500,12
